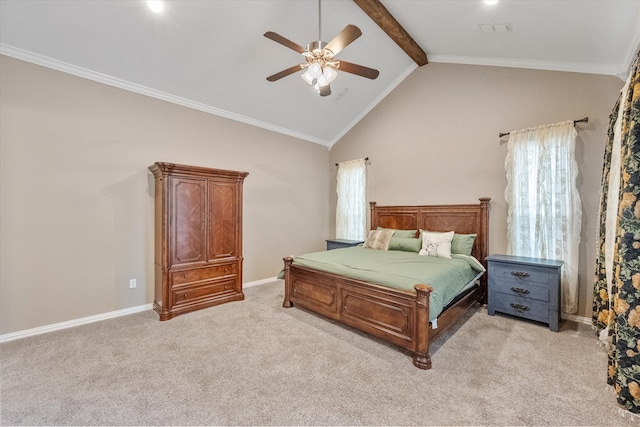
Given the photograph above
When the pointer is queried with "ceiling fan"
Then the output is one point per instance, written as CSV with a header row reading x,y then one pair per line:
x,y
321,66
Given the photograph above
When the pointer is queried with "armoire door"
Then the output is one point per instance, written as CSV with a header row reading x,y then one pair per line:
x,y
223,220
187,228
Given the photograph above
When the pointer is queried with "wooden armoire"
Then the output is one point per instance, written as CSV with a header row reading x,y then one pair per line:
x,y
198,237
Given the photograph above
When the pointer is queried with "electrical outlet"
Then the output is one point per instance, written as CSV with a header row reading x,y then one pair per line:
x,y
132,283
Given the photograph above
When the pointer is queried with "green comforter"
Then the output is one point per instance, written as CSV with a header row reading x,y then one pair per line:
x,y
401,270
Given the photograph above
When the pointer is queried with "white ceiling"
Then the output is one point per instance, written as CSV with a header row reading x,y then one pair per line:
x,y
212,56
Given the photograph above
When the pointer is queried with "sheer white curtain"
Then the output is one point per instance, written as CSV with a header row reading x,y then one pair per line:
x,y
545,212
351,211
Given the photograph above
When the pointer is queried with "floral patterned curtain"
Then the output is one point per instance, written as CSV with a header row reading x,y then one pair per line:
x,y
616,302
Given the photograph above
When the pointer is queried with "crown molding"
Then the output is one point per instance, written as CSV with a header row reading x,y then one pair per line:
x,y
634,49
64,67
571,67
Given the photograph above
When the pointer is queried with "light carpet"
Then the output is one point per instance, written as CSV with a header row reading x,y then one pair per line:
x,y
255,363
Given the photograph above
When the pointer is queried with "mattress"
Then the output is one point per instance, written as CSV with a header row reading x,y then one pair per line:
x,y
400,270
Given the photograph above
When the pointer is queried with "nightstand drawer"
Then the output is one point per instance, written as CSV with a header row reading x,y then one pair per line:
x,y
523,290
518,273
522,307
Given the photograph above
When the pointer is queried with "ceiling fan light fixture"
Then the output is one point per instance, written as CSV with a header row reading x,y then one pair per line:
x,y
313,74
329,74
322,81
315,70
306,76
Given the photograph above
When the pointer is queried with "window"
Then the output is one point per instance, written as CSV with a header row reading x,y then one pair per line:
x,y
545,212
351,211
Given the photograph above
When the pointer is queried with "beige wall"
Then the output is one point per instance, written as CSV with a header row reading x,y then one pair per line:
x,y
434,140
76,202
76,196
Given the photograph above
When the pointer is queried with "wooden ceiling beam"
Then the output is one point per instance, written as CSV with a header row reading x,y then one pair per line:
x,y
381,16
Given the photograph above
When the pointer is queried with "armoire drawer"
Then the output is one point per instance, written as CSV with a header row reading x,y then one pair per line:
x,y
198,274
187,295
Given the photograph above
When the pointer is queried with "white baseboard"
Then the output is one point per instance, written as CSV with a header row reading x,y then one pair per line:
x,y
110,315
71,323
98,317
259,282
577,319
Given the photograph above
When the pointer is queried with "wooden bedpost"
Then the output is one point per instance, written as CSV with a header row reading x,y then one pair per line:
x,y
421,358
372,209
484,225
484,250
287,282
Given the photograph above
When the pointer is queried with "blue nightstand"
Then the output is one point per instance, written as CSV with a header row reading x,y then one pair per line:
x,y
341,243
525,287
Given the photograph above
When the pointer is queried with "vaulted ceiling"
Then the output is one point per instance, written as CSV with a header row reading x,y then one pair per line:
x,y
212,56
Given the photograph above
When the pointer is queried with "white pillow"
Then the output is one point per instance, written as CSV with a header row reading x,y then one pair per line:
x,y
378,239
436,244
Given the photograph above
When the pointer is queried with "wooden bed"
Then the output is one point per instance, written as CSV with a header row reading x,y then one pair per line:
x,y
396,316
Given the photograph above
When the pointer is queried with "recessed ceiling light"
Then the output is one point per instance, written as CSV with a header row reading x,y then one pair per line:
x,y
156,5
492,2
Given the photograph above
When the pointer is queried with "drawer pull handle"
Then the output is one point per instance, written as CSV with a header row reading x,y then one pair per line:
x,y
520,307
520,274
520,291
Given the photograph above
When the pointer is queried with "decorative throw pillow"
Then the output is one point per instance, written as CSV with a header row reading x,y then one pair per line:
x,y
462,243
401,233
378,239
407,244
436,244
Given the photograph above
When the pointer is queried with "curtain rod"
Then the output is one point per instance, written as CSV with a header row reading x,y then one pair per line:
x,y
366,159
584,120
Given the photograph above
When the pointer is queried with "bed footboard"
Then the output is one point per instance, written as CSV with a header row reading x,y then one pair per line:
x,y
396,316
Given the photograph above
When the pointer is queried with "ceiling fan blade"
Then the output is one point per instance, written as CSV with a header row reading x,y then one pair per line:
x,y
284,73
344,38
325,90
284,41
359,70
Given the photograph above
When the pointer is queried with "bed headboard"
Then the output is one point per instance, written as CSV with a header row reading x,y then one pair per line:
x,y
464,219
